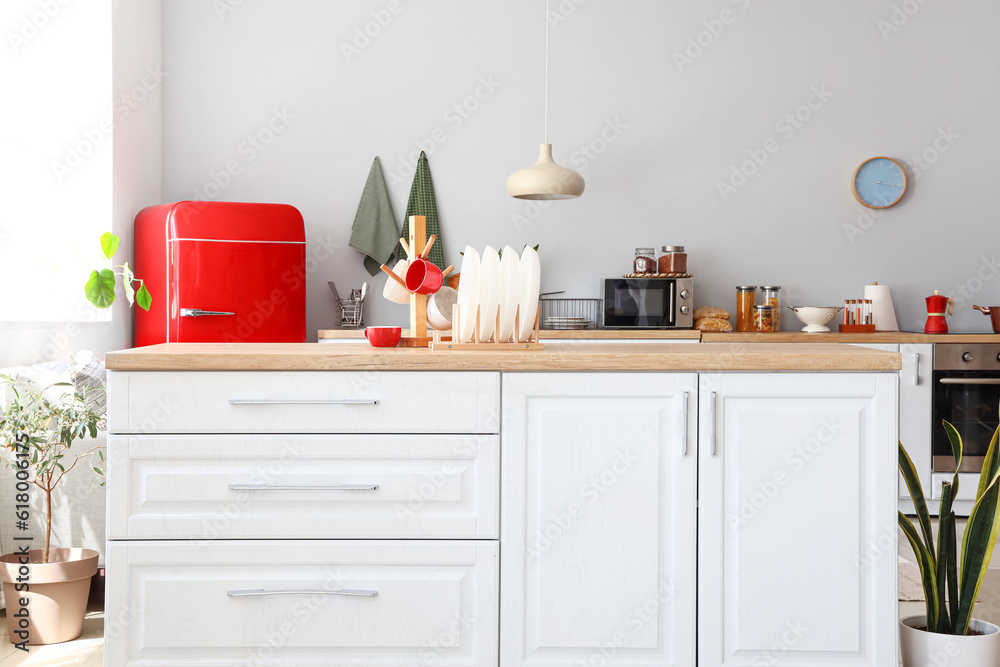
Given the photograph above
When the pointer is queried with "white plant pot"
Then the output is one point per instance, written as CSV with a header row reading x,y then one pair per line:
x,y
919,648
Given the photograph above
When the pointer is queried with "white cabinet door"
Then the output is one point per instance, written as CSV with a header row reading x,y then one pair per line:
x,y
598,519
335,602
916,394
797,520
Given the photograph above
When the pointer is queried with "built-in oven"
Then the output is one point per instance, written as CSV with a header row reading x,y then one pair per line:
x,y
648,303
966,392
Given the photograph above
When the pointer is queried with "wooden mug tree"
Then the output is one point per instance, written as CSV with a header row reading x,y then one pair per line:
x,y
418,245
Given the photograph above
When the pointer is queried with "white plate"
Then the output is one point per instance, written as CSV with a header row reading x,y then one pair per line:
x,y
489,292
530,280
468,293
509,269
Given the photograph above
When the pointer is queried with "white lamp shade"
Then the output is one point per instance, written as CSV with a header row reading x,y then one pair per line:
x,y
545,179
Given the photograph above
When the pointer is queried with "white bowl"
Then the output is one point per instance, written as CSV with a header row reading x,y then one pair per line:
x,y
815,317
439,308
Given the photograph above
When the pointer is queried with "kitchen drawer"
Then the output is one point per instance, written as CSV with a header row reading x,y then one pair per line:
x,y
180,486
303,402
434,603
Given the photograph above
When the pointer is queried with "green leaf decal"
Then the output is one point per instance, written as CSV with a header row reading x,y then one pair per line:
x,y
100,289
143,297
109,244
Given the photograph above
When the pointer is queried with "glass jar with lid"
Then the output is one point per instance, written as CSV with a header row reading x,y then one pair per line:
x,y
673,259
746,296
645,261
763,318
771,295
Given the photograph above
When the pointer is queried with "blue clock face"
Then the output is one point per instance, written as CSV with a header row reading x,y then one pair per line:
x,y
879,183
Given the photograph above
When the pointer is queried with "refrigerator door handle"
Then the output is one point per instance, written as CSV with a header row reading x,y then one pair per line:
x,y
198,312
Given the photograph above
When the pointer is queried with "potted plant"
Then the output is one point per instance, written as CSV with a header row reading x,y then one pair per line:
x,y
46,589
951,577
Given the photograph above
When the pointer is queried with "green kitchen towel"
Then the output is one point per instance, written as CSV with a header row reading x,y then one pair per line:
x,y
422,202
375,232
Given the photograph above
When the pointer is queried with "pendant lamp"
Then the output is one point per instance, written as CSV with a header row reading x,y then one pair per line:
x,y
545,179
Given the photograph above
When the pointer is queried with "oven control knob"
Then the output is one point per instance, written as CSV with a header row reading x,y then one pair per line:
x,y
967,356
685,310
685,294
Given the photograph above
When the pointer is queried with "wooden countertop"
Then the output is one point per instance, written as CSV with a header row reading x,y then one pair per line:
x,y
566,334
555,357
888,337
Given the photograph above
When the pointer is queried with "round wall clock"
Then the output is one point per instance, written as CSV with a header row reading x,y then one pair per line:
x,y
879,182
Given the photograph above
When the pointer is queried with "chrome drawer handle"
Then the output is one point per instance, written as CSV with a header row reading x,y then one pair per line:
x,y
969,380
279,487
306,401
712,413
257,592
198,312
684,426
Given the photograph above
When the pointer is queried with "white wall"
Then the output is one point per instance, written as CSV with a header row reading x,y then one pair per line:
x,y
681,132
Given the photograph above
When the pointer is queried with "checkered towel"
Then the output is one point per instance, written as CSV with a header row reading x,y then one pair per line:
x,y
422,202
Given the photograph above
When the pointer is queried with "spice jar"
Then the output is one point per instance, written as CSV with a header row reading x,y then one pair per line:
x,y
673,259
746,295
645,261
772,297
763,318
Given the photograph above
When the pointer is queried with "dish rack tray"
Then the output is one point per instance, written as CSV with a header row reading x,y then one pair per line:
x,y
569,314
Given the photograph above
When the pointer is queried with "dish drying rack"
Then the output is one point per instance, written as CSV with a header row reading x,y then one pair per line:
x,y
568,314
351,308
352,313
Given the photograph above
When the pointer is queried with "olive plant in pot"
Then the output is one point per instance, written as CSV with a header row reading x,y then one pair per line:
x,y
952,576
46,589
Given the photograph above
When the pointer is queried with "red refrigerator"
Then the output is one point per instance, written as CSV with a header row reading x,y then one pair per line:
x,y
221,272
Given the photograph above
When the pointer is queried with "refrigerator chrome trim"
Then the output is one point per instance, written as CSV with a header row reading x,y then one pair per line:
x,y
236,241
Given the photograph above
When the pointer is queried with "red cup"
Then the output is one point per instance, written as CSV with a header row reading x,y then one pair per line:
x,y
384,336
423,277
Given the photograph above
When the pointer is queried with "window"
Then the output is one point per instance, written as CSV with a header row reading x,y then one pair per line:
x,y
56,118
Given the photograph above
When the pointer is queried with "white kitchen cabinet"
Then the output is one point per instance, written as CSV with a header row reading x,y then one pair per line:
x,y
246,506
797,502
330,602
299,487
598,519
916,396
303,402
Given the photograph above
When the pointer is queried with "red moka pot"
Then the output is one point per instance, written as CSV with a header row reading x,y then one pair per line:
x,y
221,272
936,323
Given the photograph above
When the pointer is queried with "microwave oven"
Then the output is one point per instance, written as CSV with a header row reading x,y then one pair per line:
x,y
647,303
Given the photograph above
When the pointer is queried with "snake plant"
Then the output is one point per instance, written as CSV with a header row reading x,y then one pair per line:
x,y
952,578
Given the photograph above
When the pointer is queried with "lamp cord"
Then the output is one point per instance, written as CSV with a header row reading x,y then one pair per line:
x,y
545,132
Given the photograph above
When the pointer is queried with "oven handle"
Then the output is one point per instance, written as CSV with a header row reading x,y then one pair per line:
x,y
969,380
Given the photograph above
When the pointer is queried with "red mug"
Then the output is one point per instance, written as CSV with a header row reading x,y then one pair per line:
x,y
423,277
384,336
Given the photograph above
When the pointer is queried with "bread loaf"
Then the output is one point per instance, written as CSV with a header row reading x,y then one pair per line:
x,y
713,324
712,312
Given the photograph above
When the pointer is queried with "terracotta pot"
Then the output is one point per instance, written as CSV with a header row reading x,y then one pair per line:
x,y
994,313
57,595
918,648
